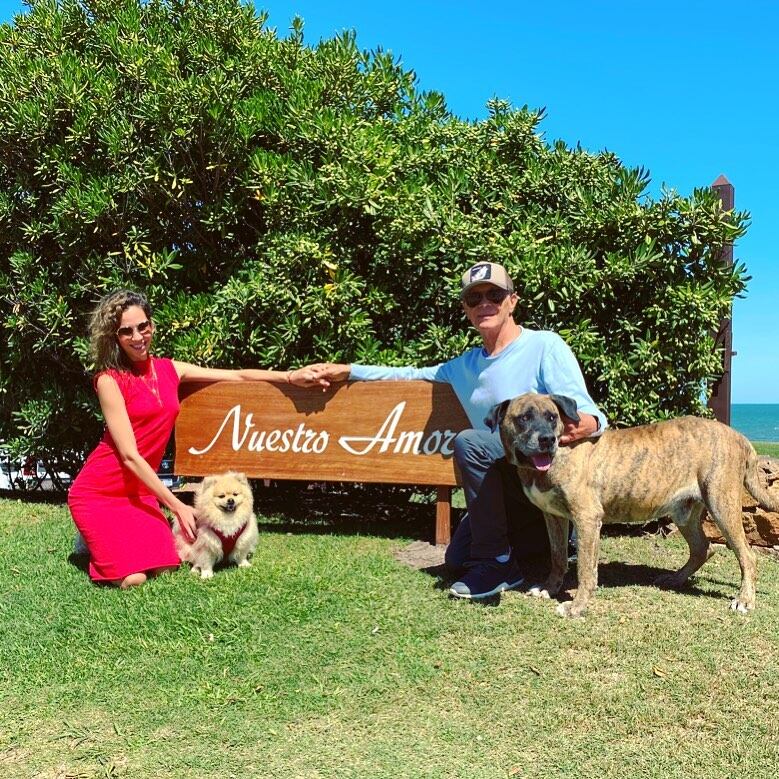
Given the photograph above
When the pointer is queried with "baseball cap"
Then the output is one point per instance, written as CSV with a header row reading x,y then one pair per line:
x,y
487,273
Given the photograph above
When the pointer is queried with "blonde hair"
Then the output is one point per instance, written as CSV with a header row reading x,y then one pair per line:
x,y
103,324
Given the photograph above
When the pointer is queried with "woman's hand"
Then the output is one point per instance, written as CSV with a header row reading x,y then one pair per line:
x,y
319,374
185,516
304,377
327,372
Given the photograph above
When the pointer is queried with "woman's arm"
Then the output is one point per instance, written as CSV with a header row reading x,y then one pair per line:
x,y
118,423
302,377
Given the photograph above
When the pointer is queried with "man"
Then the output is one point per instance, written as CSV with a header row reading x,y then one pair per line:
x,y
512,360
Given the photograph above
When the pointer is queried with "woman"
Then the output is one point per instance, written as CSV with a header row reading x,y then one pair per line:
x,y
115,498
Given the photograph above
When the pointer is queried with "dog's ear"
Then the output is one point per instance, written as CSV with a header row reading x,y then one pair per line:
x,y
495,417
566,406
241,477
209,481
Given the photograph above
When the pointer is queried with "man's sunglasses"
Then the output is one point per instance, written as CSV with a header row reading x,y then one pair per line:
x,y
494,295
127,331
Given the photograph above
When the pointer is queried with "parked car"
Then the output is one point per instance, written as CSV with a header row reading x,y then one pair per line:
x,y
167,477
9,471
27,475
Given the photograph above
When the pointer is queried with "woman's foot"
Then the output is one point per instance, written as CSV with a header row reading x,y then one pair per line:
x,y
133,580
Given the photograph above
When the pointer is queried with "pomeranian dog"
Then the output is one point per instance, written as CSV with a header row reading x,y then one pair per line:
x,y
226,525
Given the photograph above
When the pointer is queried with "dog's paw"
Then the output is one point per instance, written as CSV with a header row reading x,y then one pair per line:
x,y
245,564
538,591
740,607
571,610
206,574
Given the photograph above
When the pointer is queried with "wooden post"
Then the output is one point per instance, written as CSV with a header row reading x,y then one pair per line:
x,y
719,402
443,515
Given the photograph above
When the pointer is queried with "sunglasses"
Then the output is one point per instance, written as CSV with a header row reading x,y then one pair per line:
x,y
493,294
127,331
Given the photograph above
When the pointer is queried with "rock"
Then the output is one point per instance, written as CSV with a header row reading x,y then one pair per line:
x,y
760,526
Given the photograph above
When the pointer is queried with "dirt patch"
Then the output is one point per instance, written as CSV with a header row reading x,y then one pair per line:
x,y
420,555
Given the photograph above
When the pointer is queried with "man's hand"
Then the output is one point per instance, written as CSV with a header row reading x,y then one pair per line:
x,y
573,431
306,377
323,373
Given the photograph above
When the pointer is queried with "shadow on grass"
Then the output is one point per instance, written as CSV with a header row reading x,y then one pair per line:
x,y
80,561
335,514
534,570
610,575
617,574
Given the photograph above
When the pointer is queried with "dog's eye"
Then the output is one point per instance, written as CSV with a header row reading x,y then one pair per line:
x,y
221,495
526,417
550,417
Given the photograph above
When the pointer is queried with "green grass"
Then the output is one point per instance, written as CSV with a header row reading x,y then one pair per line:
x,y
329,659
766,447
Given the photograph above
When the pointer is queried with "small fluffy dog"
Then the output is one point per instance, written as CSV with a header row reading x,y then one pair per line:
x,y
226,525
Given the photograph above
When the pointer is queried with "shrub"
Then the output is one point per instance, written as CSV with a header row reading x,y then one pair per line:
x,y
281,203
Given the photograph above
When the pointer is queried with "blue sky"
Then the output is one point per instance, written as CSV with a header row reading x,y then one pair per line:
x,y
687,89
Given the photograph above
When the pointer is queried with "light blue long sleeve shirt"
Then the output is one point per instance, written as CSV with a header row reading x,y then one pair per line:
x,y
536,361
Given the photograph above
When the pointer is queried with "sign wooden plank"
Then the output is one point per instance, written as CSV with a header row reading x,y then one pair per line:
x,y
391,432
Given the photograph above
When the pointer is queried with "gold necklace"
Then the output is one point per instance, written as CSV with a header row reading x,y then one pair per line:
x,y
153,386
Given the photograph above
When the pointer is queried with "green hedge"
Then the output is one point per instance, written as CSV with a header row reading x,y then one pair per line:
x,y
281,203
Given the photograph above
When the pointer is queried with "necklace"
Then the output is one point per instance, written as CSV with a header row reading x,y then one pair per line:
x,y
152,384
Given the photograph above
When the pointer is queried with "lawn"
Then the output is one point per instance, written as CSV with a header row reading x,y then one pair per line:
x,y
766,447
328,658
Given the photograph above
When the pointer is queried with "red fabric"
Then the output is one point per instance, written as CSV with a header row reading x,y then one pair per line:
x,y
119,519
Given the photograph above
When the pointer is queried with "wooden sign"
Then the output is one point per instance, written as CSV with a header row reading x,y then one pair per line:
x,y
394,432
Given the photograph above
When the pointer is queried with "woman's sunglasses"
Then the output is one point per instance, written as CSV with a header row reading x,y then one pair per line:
x,y
127,331
493,294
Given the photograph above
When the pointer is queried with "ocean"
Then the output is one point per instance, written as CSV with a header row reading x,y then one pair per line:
x,y
757,421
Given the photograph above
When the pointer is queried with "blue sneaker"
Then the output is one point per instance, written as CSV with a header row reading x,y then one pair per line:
x,y
487,577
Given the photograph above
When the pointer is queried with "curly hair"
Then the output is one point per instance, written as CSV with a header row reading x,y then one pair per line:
x,y
103,323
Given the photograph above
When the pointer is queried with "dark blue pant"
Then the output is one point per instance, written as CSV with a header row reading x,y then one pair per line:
x,y
499,515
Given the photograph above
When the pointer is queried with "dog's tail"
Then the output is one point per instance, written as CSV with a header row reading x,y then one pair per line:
x,y
753,484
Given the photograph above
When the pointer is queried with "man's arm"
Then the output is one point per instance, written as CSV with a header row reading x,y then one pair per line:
x,y
327,372
562,375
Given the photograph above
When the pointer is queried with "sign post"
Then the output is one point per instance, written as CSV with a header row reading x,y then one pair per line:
x,y
719,402
373,431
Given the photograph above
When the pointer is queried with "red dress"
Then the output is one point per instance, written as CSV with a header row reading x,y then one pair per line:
x,y
118,517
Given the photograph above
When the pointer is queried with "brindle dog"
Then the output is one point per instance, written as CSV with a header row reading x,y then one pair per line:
x,y
675,468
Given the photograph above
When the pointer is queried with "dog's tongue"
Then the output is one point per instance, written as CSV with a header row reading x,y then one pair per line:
x,y
541,462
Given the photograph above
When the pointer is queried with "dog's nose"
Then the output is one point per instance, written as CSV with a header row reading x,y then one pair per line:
x,y
546,442
230,502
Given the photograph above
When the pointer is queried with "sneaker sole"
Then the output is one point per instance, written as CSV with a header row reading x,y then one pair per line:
x,y
502,587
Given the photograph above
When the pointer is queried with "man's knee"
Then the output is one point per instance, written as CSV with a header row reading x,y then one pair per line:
x,y
474,445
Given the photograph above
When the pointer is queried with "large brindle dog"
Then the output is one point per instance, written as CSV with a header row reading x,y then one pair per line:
x,y
675,468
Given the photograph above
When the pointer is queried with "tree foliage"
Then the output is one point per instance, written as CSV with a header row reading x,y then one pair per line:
x,y
281,203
